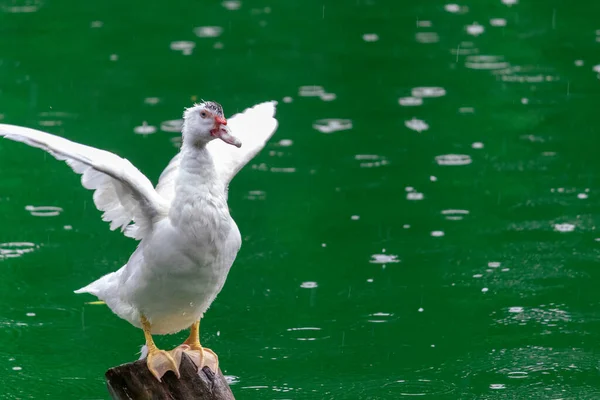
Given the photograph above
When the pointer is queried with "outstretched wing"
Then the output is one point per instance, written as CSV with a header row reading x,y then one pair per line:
x,y
253,127
168,178
121,190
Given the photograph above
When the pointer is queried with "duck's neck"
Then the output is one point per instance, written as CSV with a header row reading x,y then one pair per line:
x,y
197,167
200,199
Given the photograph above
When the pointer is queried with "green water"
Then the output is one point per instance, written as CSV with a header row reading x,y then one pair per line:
x,y
370,269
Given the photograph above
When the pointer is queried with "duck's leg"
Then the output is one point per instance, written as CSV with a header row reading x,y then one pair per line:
x,y
158,361
200,355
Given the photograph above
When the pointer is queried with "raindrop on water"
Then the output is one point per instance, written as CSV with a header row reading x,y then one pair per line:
x,y
208,31
426,91
330,125
370,37
453,159
475,29
416,125
410,101
564,227
144,129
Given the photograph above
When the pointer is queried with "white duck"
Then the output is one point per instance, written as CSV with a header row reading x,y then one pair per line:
x,y
188,240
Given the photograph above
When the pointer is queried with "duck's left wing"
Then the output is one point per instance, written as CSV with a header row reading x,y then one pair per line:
x,y
168,178
121,190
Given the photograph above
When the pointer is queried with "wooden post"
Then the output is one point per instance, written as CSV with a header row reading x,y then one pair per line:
x,y
134,381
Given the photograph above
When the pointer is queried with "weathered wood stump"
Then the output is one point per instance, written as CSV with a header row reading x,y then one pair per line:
x,y
134,381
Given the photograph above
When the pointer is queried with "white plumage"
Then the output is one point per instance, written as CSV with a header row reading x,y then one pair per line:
x,y
188,240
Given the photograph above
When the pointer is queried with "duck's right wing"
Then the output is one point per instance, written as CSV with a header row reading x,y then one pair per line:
x,y
121,190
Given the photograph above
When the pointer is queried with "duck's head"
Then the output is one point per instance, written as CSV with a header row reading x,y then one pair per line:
x,y
204,122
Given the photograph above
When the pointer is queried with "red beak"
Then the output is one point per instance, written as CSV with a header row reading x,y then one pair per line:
x,y
220,120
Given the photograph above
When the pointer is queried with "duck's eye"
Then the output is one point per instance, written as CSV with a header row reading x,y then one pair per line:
x,y
203,114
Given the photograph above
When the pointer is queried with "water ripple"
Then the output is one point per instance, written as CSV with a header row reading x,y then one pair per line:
x,y
371,160
384,259
208,31
173,125
552,315
16,249
144,129
232,5
23,6
410,101
44,211
416,125
330,125
453,159
308,333
427,91
185,46
419,387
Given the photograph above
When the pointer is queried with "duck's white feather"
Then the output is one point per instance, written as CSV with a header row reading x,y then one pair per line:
x,y
120,189
166,182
